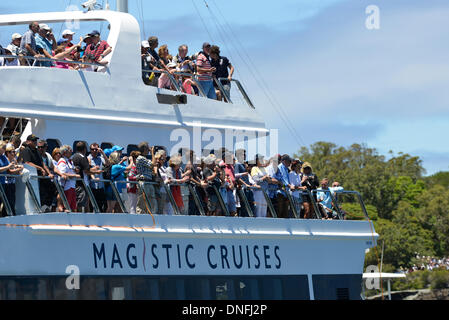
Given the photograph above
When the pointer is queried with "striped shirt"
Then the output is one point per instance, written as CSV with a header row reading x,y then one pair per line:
x,y
144,168
203,62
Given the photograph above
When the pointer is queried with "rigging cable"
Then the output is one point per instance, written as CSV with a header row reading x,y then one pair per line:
x,y
259,79
202,21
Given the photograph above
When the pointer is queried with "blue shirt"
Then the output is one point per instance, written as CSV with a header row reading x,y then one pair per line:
x,y
28,38
3,163
325,196
43,43
97,161
239,168
117,174
284,177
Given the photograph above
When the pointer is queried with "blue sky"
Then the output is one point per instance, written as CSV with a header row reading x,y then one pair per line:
x,y
334,79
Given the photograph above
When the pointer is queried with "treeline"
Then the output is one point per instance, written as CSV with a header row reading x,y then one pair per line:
x,y
410,212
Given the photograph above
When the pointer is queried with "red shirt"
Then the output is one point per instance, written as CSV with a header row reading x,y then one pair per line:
x,y
97,50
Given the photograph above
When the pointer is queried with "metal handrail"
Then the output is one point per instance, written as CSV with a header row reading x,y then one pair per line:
x,y
59,189
51,60
340,215
170,76
3,196
359,198
242,90
195,79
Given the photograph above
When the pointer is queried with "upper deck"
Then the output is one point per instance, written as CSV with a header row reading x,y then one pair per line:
x,y
117,95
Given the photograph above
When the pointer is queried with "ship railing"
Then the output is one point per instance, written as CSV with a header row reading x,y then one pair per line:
x,y
160,197
31,61
177,85
337,203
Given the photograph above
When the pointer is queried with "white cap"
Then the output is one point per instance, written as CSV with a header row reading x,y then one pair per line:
x,y
66,32
9,48
16,36
44,26
145,44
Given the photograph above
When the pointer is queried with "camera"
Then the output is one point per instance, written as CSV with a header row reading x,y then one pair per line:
x,y
90,5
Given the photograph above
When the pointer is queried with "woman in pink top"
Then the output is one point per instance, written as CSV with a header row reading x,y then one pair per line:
x,y
61,53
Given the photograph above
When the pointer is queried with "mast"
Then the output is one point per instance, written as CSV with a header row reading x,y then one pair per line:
x,y
122,6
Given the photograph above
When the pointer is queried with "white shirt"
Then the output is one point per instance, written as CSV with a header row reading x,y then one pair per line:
x,y
295,179
5,63
66,166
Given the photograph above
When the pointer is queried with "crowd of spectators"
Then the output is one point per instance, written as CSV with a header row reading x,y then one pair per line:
x,y
189,71
217,180
427,263
206,65
40,43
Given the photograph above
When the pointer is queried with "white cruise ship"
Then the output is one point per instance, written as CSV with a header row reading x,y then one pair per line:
x,y
149,256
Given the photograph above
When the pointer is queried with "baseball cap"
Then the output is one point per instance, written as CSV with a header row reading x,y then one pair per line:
x,y
94,33
44,26
145,44
107,152
61,41
66,32
117,148
32,137
16,36
86,37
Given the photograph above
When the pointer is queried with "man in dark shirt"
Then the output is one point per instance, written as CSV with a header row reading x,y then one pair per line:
x,y
31,157
221,65
153,60
81,162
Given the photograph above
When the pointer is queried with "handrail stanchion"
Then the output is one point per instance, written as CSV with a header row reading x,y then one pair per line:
x,y
315,206
172,199
61,193
270,204
115,192
200,87
337,207
5,200
197,200
243,92
146,198
223,206
30,189
222,90
117,196
90,195
292,204
243,197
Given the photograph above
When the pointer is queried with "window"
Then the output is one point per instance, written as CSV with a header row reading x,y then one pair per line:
x,y
247,289
52,144
222,289
295,288
197,288
270,288
74,145
130,148
106,145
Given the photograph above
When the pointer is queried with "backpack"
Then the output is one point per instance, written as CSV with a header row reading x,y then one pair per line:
x,y
107,172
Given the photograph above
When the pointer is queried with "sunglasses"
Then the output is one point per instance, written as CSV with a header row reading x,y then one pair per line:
x,y
42,147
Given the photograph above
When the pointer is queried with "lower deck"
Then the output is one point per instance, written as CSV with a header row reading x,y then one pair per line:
x,y
292,287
